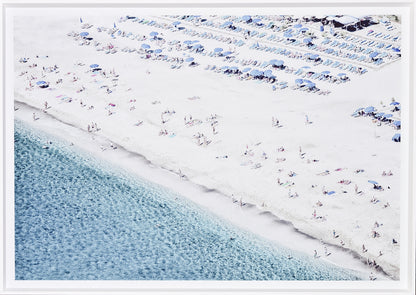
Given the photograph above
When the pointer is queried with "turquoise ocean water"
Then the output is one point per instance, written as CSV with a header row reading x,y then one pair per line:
x,y
77,218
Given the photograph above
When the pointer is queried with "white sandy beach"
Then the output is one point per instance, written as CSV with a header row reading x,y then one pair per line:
x,y
246,159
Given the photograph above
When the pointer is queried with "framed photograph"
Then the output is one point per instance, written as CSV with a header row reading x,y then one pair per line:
x,y
160,147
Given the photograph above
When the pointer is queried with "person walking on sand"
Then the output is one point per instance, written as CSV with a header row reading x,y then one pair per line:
x,y
34,117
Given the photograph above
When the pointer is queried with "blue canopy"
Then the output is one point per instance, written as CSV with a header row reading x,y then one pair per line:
x,y
267,73
188,42
307,40
326,72
195,41
196,46
330,193
176,23
225,68
387,116
379,115
94,66
359,109
314,56
41,83
189,59
84,34
303,29
145,46
226,24
307,81
341,74
394,103
311,85
369,109
227,53
256,20
276,62
246,70
246,17
287,35
153,34
256,73
373,182
297,26
158,50
397,123
218,49
396,49
306,67
299,81
234,68
396,137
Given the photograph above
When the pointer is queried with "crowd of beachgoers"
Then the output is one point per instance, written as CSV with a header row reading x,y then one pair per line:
x,y
282,54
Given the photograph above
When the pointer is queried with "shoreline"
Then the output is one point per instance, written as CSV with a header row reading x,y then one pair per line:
x,y
268,225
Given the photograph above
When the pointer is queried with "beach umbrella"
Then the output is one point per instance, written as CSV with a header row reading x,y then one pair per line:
x,y
359,109
234,68
153,34
287,35
373,182
196,46
278,63
299,81
176,23
326,72
256,20
314,56
386,116
395,49
225,68
374,54
189,59
307,40
227,53
297,26
195,41
303,29
187,42
394,103
311,85
397,123
218,49
246,18
330,193
93,66
158,50
145,46
41,83
268,73
378,115
226,24
369,109
330,50
341,74
307,81
306,67
84,34
246,70
396,137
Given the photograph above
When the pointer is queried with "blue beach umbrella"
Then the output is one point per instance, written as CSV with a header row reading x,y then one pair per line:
x,y
299,81
189,59
394,103
145,46
153,34
330,193
314,56
196,46
379,115
396,49
246,70
187,42
225,68
94,66
303,29
256,20
373,182
41,83
158,50
326,72
227,53
218,49
297,26
84,34
396,137
287,35
226,24
307,40
387,116
341,74
397,123
311,85
176,23
374,54
369,109
246,18
268,73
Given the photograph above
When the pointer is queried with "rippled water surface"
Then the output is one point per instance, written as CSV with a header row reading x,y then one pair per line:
x,y
80,219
